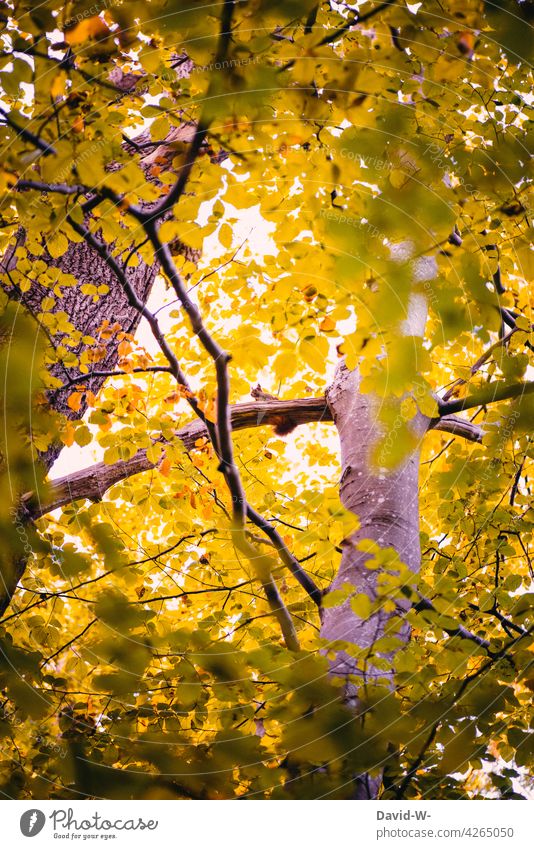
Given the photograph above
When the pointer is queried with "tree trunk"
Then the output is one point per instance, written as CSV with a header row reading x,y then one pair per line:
x,y
84,315
386,504
82,262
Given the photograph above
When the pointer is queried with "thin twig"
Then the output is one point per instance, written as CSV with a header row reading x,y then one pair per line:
x,y
70,642
26,134
82,378
461,381
403,786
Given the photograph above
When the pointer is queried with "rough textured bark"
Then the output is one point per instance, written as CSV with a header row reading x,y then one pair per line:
x,y
85,316
83,262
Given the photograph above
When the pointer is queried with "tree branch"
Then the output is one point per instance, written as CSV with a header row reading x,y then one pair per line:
x,y
46,148
83,378
352,22
489,394
458,631
458,427
94,481
291,562
55,188
178,188
400,791
461,381
280,611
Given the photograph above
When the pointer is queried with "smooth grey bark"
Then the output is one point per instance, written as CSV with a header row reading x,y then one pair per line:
x,y
386,501
386,504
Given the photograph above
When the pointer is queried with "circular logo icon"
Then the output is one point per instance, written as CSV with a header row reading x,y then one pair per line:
x,y
32,822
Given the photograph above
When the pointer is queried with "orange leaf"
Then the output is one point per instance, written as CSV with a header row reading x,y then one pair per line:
x,y
165,467
68,434
466,43
94,28
96,354
172,397
74,401
327,325
57,89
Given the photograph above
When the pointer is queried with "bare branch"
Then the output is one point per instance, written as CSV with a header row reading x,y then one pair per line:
x,y
306,582
262,568
70,642
458,631
458,427
493,611
93,482
281,612
352,22
83,378
54,188
223,428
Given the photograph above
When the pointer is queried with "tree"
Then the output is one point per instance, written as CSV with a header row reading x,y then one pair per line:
x,y
205,612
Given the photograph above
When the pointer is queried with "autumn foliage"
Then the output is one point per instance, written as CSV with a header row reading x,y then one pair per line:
x,y
197,198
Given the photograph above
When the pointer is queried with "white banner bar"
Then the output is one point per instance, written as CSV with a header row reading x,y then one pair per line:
x,y
269,825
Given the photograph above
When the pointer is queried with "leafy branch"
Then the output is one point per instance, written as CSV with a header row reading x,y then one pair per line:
x,y
499,655
488,394
93,481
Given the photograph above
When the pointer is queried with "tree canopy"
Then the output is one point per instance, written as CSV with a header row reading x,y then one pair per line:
x,y
198,198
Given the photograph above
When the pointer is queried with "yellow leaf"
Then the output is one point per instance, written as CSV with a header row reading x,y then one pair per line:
x,y
57,245
284,364
57,88
226,236
314,351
